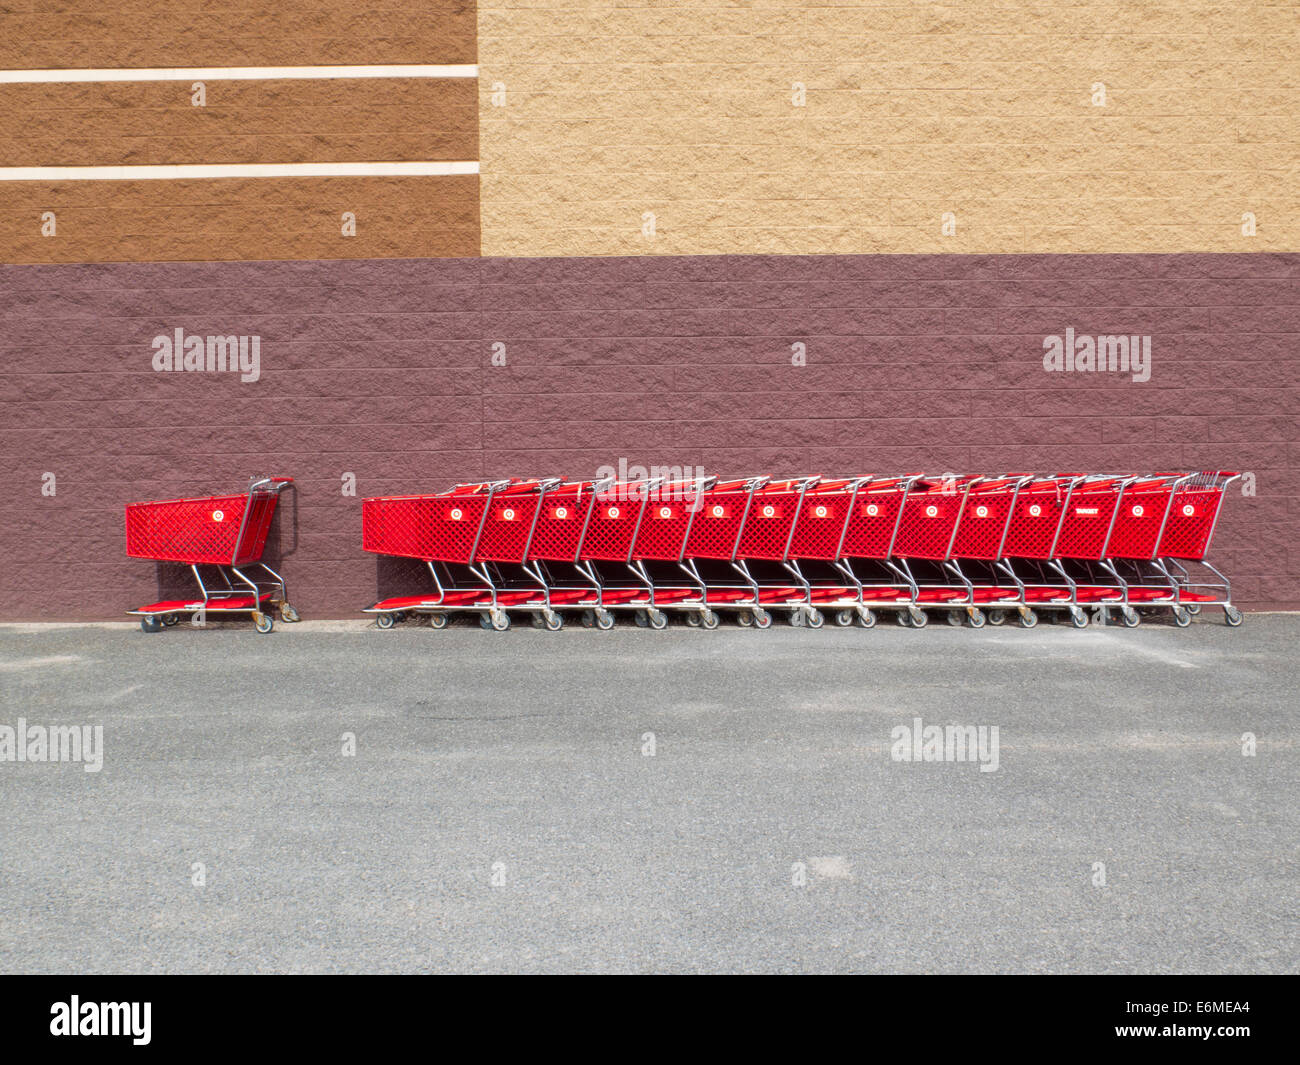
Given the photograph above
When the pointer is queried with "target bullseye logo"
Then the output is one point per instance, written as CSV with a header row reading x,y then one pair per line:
x,y
717,512
1035,511
981,512
612,512
1138,511
665,512
561,512
457,514
820,511
769,511
931,511
1188,510
218,515
508,514
872,510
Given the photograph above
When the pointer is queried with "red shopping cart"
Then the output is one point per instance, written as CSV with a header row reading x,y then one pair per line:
x,y
816,543
866,554
979,545
1162,522
223,536
713,538
474,527
923,548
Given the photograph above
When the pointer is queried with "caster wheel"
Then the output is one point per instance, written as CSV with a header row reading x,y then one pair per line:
x,y
151,623
866,619
604,620
904,619
171,619
762,619
1232,616
997,617
1193,608
552,622
437,621
845,618
657,618
977,619
1129,617
796,618
709,619
385,621
744,620
693,620
288,613
1181,617
588,619
1028,619
1079,618
816,619
264,623
641,620
920,619
955,618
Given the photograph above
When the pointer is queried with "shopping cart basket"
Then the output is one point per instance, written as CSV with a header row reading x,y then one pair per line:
x,y
222,536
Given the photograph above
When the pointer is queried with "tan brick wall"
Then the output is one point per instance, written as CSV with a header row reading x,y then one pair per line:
x,y
619,107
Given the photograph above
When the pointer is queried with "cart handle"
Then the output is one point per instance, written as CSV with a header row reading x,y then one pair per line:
x,y
273,483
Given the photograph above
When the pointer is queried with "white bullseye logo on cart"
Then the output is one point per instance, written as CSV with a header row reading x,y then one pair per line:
x,y
1035,511
769,511
665,512
1138,511
508,514
872,510
981,512
930,512
1188,511
561,512
820,512
612,512
218,515
457,514
717,512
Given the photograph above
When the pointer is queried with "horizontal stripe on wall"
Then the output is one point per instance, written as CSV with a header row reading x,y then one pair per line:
x,y
239,218
27,77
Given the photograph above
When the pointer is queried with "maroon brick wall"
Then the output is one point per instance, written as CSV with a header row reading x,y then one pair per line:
x,y
383,369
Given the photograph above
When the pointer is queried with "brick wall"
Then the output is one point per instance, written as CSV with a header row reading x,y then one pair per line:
x,y
382,369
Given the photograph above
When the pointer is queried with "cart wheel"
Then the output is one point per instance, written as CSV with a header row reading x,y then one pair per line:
x,y
815,618
997,617
437,621
693,620
977,618
1028,619
640,619
385,621
151,623
1129,617
604,619
920,619
845,618
171,619
744,619
955,618
1193,608
658,619
905,619
1232,615
287,613
1181,617
1078,617
264,623
866,618
709,619
762,619
588,619
499,620
552,621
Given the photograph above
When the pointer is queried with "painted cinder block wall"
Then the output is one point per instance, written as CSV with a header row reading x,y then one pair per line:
x,y
383,369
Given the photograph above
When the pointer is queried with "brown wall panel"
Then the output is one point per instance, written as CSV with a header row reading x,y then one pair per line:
x,y
223,219
382,369
86,33
276,121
